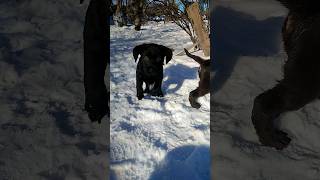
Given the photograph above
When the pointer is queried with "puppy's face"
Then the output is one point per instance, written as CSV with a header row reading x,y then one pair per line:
x,y
152,54
152,64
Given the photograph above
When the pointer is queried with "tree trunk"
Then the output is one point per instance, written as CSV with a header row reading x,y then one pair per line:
x,y
119,14
199,28
138,14
118,10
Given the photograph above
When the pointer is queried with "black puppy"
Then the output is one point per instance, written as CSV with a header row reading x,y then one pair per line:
x,y
149,69
204,83
96,58
301,82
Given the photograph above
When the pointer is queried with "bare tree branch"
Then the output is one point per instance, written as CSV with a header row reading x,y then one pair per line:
x,y
173,10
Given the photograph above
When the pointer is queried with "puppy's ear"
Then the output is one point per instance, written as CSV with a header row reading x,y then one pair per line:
x,y
138,50
167,52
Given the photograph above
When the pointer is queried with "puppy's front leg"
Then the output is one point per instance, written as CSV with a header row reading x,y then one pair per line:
x,y
147,89
156,91
193,96
267,107
139,84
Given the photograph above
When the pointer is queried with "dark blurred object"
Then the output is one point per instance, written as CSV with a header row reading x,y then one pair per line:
x,y
301,75
96,58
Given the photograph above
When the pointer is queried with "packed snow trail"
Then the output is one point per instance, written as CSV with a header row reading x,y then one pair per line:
x,y
156,135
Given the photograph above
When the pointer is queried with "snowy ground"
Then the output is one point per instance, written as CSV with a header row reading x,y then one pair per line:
x,y
44,134
248,60
156,138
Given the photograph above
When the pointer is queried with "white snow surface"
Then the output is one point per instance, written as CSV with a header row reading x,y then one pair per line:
x,y
157,137
252,66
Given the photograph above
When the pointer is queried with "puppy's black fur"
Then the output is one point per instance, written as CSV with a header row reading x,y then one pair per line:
x,y
149,69
301,82
96,58
204,83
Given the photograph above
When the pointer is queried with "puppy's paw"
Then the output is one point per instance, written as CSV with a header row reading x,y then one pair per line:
x,y
97,105
146,91
277,139
195,104
160,94
156,93
193,101
140,96
265,129
95,115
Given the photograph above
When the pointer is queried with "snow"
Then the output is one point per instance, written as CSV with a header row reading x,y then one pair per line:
x,y
248,60
44,134
156,138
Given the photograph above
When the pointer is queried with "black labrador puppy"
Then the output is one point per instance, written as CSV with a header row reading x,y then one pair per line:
x,y
204,83
301,82
96,58
149,69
